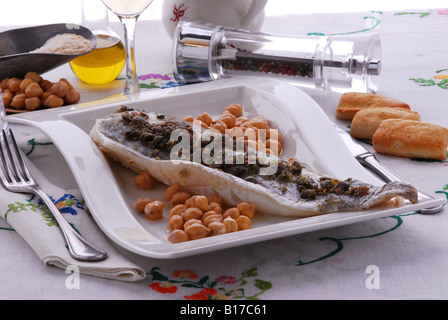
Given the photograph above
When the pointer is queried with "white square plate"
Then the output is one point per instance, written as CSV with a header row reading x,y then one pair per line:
x,y
110,193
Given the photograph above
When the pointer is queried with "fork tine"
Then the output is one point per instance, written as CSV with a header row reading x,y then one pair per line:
x,y
24,169
6,172
14,165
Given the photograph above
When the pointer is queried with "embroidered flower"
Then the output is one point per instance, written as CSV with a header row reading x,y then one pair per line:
x,y
170,84
207,294
202,295
443,12
185,274
164,288
154,76
224,280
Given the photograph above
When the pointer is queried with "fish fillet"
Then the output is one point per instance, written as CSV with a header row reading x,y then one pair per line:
x,y
142,141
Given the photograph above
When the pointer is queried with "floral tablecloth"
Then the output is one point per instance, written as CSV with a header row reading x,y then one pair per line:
x,y
398,257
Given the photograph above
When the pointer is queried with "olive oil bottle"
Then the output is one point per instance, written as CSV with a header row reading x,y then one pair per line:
x,y
106,62
102,65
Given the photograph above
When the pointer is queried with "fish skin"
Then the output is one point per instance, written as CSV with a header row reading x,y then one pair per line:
x,y
109,132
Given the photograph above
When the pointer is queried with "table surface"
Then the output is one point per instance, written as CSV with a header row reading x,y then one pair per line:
x,y
399,257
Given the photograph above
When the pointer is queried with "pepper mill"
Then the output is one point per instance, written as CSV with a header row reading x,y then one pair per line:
x,y
207,52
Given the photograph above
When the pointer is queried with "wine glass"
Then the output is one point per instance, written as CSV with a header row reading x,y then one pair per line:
x,y
128,11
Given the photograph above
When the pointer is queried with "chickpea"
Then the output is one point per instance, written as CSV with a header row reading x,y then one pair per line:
x,y
197,231
45,96
212,218
205,118
179,198
215,206
208,213
141,203
191,222
177,236
53,101
170,191
235,109
252,144
238,133
154,210
244,223
4,84
200,202
189,203
200,124
72,96
274,145
274,134
217,228
144,180
251,134
7,98
220,126
176,222
45,85
33,76
246,209
25,83
238,123
33,90
188,118
242,119
32,104
18,102
230,224
70,86
229,120
260,145
234,213
191,213
177,210
14,84
257,122
59,88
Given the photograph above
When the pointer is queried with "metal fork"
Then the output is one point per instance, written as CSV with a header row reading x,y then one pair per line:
x,y
16,177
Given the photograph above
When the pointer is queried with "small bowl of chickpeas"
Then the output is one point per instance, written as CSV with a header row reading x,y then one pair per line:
x,y
34,93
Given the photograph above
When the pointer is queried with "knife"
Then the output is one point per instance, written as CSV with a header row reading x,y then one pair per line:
x,y
369,161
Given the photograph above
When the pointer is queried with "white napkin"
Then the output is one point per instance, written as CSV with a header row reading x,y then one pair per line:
x,y
32,220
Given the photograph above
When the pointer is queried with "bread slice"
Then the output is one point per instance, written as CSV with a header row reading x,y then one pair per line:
x,y
411,139
366,121
352,102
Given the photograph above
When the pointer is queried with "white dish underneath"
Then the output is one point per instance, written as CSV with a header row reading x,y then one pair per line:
x,y
109,191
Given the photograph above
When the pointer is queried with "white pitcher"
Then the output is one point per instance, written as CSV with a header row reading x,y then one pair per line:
x,y
241,14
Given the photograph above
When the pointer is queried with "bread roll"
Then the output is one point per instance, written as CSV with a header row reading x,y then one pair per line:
x,y
367,121
411,139
352,102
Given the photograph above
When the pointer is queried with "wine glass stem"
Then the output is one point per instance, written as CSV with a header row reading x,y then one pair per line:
x,y
131,85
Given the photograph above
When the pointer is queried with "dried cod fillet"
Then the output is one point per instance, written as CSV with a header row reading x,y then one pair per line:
x,y
141,141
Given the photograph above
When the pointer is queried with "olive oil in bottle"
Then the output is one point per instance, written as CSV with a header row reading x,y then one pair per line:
x,y
105,63
102,65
